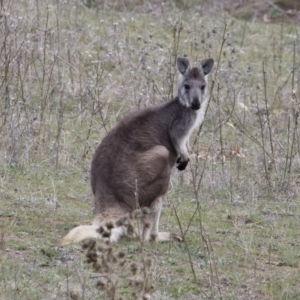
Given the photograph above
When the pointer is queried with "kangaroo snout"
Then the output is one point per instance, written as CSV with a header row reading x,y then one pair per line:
x,y
195,103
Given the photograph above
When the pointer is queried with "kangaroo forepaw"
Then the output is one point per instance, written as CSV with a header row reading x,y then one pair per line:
x,y
181,165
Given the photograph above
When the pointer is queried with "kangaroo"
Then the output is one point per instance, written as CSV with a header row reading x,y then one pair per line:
x,y
132,166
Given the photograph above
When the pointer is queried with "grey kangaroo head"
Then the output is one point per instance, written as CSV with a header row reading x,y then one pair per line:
x,y
192,82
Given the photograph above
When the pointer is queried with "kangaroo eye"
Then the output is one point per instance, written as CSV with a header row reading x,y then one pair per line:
x,y
187,87
202,87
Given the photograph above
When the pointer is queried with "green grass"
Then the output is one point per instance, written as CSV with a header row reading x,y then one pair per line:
x,y
71,73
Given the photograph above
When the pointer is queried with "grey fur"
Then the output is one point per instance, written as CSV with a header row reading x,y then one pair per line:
x,y
132,166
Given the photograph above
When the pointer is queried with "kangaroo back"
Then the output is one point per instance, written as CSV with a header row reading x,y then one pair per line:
x,y
131,168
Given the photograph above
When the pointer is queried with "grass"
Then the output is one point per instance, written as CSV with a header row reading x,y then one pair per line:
x,y
70,73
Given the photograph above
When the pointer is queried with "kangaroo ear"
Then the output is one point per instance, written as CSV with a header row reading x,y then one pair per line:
x,y
183,65
207,65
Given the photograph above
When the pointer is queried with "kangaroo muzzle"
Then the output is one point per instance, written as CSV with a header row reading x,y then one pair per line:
x,y
195,103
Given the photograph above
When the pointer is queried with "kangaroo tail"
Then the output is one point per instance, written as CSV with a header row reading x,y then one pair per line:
x,y
78,234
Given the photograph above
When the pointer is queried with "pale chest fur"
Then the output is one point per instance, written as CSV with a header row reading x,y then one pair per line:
x,y
197,122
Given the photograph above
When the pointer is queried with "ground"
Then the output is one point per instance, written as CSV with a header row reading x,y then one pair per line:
x,y
72,70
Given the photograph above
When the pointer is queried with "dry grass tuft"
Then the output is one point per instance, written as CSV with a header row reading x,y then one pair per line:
x,y
116,272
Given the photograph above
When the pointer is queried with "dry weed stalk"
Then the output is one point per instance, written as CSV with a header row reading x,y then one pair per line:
x,y
119,274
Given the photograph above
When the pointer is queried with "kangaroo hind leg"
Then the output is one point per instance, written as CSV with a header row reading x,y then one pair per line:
x,y
150,230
